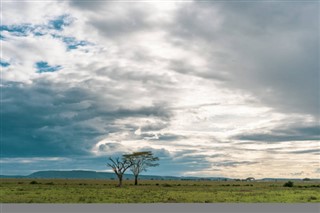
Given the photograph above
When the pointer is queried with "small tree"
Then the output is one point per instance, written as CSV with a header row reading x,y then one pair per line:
x,y
141,161
119,166
288,184
250,179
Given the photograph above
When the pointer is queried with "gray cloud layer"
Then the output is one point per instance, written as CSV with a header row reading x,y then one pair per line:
x,y
282,135
270,49
175,76
45,119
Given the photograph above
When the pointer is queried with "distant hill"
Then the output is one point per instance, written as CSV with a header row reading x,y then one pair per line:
x,y
77,174
285,179
80,174
12,176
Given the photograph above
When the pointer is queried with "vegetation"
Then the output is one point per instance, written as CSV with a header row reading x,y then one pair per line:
x,y
288,184
32,182
156,191
141,161
137,162
119,166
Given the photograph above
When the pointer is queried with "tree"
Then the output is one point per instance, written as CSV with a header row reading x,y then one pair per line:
x,y
141,161
250,179
119,166
288,184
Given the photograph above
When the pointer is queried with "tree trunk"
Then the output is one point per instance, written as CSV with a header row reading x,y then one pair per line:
x,y
136,180
120,180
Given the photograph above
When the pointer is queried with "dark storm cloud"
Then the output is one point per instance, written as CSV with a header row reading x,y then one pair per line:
x,y
45,119
270,49
283,135
34,126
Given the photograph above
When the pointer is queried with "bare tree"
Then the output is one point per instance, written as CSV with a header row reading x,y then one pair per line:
x,y
119,166
141,161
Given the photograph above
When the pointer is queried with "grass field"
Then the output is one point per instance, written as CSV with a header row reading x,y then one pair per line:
x,y
104,191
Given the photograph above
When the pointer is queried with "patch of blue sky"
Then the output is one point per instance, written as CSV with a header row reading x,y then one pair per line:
x,y
17,30
43,67
4,63
71,42
24,30
27,29
60,22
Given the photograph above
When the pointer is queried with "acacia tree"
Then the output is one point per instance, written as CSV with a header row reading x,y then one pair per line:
x,y
119,166
141,161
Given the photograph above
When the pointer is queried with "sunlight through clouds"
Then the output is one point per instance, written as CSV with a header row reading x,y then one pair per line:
x,y
213,88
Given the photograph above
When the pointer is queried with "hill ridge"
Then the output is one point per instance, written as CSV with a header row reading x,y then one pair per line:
x,y
88,174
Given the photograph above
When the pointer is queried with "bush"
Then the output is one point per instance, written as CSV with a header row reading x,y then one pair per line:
x,y
50,183
34,182
166,185
288,184
312,198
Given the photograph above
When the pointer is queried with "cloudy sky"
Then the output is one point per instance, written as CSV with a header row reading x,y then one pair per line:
x,y
223,88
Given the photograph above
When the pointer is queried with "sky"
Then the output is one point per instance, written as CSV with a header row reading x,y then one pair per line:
x,y
214,89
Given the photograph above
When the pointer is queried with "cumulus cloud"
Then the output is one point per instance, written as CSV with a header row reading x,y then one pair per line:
x,y
269,49
204,85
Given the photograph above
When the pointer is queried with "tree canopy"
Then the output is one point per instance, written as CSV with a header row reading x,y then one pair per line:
x,y
141,161
119,166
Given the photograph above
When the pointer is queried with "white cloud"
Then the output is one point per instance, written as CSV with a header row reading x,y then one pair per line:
x,y
200,78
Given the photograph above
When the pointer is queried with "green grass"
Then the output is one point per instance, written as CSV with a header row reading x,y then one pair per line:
x,y
104,191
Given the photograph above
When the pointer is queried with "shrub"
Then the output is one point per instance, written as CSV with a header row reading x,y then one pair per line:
x,y
34,182
50,183
288,184
166,185
312,198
